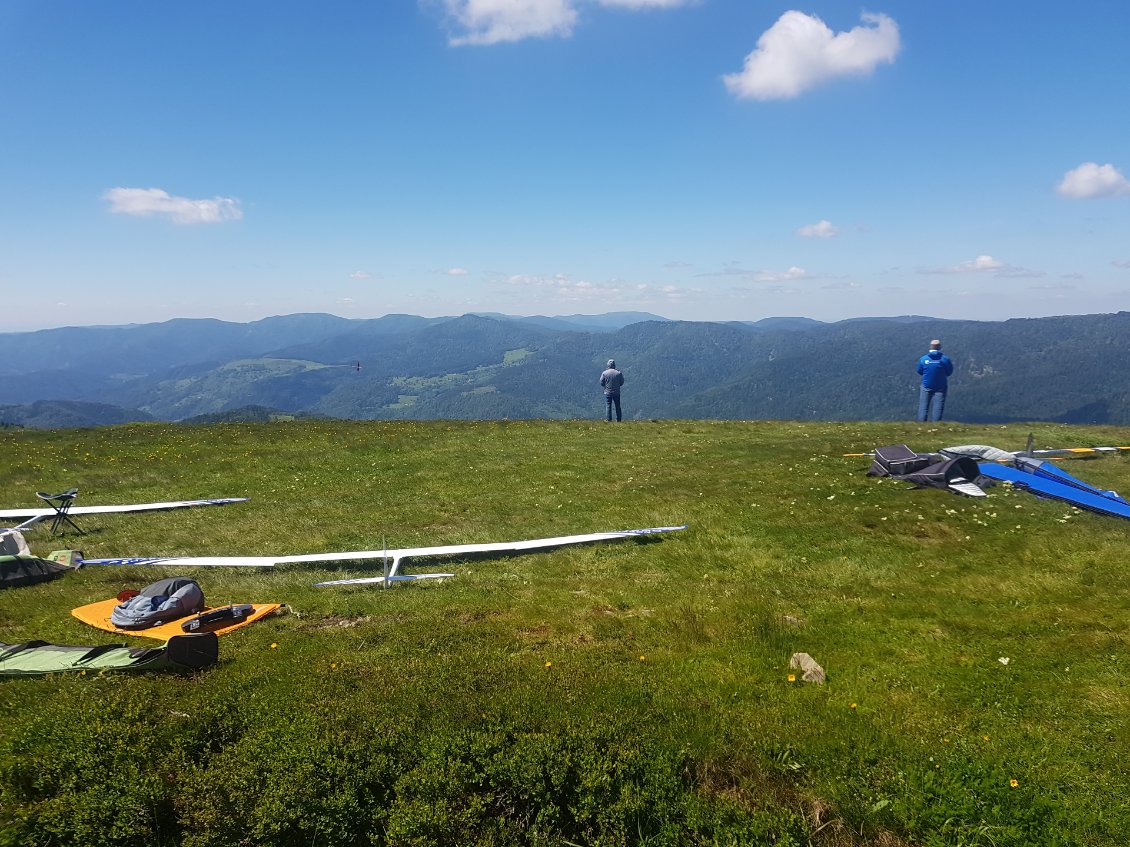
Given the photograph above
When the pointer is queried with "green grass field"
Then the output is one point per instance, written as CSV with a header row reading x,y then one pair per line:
x,y
619,693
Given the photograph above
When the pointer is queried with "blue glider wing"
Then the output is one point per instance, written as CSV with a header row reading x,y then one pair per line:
x,y
1045,484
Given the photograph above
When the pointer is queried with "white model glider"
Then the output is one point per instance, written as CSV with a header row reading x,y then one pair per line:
x,y
391,558
34,516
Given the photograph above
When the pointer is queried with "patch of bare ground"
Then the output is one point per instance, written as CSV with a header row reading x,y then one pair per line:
x,y
745,784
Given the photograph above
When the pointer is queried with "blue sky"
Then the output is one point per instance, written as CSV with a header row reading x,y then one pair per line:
x,y
698,159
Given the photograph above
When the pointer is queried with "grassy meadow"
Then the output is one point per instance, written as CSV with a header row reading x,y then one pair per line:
x,y
632,692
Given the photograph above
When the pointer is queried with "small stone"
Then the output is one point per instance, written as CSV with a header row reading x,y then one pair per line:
x,y
812,671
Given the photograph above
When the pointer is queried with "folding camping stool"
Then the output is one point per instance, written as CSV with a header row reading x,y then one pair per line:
x,y
61,503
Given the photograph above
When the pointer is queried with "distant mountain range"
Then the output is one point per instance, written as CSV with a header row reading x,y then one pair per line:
x,y
498,366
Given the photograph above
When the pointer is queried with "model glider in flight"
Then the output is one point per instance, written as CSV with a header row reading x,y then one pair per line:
x,y
390,558
34,516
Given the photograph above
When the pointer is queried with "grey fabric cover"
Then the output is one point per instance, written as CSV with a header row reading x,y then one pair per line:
x,y
978,451
164,600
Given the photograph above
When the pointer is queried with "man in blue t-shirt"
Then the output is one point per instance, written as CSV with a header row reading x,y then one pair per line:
x,y
935,369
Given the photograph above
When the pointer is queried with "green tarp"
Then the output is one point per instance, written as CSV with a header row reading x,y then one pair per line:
x,y
36,658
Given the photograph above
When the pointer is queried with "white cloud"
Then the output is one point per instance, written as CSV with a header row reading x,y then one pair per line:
x,y
1119,263
981,264
792,273
456,272
496,21
563,288
1011,272
799,51
360,275
149,202
644,4
735,269
824,229
535,281
1093,180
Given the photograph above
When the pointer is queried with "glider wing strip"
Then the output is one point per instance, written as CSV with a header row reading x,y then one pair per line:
x,y
190,561
396,556
1078,450
39,514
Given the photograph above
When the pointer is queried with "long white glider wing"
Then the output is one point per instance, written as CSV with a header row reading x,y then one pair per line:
x,y
130,507
1078,451
394,557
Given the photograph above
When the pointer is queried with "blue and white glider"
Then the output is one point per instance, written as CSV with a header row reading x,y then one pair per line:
x,y
390,558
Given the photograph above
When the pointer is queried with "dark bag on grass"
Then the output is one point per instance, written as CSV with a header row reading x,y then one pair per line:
x,y
898,460
165,600
217,617
927,470
945,473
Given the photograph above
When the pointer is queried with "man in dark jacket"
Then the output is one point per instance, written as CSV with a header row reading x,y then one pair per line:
x,y
935,369
610,381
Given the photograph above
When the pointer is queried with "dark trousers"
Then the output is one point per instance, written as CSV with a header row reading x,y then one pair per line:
x,y
610,400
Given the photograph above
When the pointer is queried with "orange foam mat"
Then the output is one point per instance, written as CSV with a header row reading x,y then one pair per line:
x,y
98,615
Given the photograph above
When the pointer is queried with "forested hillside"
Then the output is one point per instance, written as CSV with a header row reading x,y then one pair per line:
x,y
494,367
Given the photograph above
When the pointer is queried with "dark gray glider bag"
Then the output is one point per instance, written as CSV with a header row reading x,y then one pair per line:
x,y
923,470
